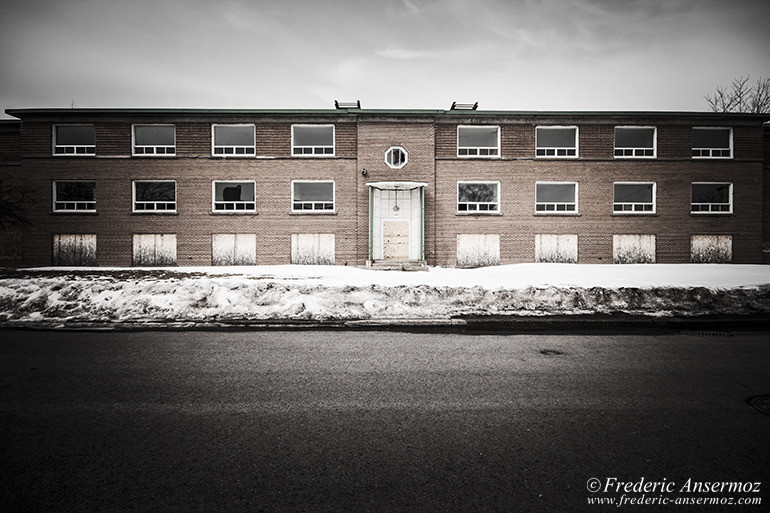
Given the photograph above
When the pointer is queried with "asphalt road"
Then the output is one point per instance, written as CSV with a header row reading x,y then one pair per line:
x,y
372,421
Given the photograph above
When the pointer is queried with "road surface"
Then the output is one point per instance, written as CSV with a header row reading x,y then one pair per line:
x,y
372,421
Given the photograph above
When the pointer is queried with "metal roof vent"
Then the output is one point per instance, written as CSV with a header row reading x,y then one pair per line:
x,y
347,105
464,106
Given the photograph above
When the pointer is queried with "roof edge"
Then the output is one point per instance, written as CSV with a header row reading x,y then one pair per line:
x,y
18,113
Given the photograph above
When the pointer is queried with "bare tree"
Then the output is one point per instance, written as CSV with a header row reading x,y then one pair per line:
x,y
741,96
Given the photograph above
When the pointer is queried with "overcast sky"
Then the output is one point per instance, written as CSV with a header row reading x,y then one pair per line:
x,y
507,55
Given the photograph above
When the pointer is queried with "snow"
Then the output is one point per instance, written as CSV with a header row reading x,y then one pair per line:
x,y
296,292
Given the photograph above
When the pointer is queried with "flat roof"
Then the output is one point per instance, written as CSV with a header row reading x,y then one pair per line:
x,y
398,112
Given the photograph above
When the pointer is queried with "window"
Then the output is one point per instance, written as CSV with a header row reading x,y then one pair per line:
x,y
396,157
478,197
556,141
312,196
154,140
635,141
556,197
74,196
155,196
231,196
711,198
478,141
712,143
233,140
312,140
74,140
633,198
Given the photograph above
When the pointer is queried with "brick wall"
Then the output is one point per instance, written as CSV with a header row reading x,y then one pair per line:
x,y
361,145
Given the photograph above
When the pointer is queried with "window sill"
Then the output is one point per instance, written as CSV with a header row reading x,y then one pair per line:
x,y
314,213
557,214
561,157
155,213
478,213
154,156
635,158
712,214
241,213
635,214
86,155
74,213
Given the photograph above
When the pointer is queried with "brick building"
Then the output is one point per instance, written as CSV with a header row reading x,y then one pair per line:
x,y
352,186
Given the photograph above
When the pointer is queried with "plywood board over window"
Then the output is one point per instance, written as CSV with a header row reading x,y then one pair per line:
x,y
154,249
633,249
74,249
312,248
711,249
561,248
234,249
478,249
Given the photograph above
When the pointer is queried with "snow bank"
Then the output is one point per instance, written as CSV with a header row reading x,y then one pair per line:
x,y
62,295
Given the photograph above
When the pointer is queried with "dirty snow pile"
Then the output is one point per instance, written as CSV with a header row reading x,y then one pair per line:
x,y
232,294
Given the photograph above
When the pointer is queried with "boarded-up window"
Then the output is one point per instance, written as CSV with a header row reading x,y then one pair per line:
x,y
711,249
154,249
633,249
234,249
562,248
478,249
74,249
312,248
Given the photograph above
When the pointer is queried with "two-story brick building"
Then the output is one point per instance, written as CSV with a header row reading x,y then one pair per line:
x,y
121,187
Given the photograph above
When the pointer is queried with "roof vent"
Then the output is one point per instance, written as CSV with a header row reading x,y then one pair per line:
x,y
464,106
347,105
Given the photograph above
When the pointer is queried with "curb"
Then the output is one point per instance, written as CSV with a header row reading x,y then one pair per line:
x,y
595,323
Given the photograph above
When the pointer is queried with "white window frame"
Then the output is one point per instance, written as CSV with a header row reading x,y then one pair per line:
x,y
214,145
153,147
333,146
711,150
393,148
711,213
333,210
632,204
54,145
555,204
75,210
234,203
478,203
635,150
153,211
478,149
556,149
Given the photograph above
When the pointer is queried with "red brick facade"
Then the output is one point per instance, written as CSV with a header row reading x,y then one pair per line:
x,y
361,140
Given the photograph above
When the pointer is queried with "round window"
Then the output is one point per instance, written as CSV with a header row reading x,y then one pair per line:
x,y
395,157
